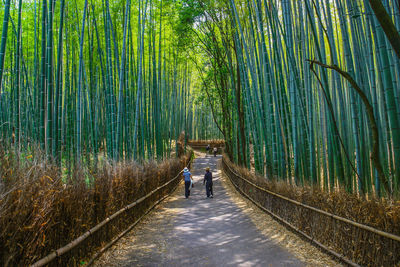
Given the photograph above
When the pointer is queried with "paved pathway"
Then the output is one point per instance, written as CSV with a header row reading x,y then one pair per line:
x,y
200,232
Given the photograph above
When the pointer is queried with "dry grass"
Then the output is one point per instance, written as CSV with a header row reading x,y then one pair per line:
x,y
270,228
358,245
39,212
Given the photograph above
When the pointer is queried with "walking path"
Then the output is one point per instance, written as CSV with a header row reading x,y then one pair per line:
x,y
198,231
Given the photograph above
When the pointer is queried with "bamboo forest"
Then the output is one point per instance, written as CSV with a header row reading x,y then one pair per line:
x,y
102,103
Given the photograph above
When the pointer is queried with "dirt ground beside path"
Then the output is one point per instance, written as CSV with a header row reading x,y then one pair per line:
x,y
223,231
269,227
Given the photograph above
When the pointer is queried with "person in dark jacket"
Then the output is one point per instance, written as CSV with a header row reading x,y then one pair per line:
x,y
208,182
188,181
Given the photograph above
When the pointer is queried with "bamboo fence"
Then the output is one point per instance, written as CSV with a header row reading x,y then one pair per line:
x,y
350,242
78,241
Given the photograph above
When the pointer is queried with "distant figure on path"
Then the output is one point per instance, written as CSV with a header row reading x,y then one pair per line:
x,y
208,182
188,180
215,151
208,149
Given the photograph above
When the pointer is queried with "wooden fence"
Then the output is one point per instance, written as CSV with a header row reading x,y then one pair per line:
x,y
154,197
352,243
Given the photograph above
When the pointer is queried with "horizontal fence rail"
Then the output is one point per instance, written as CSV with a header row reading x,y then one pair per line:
x,y
59,252
345,238
203,144
118,237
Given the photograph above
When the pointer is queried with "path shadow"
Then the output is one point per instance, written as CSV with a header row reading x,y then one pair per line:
x,y
205,231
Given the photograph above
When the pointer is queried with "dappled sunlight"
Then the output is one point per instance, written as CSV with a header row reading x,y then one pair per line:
x,y
213,232
278,234
103,102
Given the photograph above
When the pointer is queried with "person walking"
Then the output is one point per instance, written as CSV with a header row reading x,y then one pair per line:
x,y
188,181
208,182
208,149
215,151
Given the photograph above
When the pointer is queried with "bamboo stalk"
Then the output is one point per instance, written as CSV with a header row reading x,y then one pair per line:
x,y
359,225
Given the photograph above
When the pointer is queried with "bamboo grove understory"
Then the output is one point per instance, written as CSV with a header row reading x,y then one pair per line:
x,y
309,89
82,78
303,91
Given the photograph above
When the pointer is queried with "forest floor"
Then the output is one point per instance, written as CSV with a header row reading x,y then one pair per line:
x,y
226,230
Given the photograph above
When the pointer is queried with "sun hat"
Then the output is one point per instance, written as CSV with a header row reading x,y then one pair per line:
x,y
208,168
185,169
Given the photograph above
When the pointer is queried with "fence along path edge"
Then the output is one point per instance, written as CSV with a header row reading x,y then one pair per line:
x,y
59,252
359,225
325,248
119,236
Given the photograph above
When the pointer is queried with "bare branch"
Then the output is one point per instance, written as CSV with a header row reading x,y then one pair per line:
x,y
371,118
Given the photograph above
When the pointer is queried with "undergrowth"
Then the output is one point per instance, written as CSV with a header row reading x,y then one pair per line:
x,y
382,214
40,211
361,246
